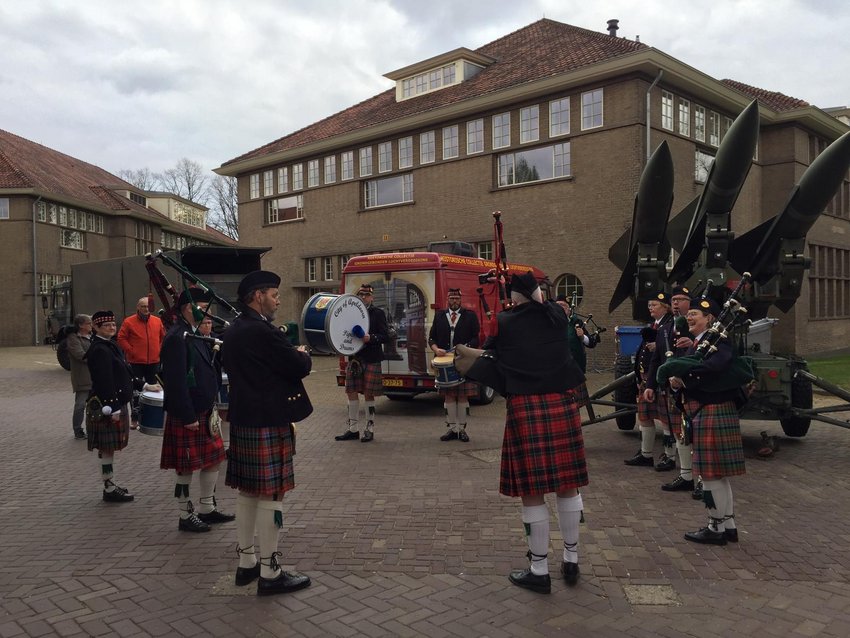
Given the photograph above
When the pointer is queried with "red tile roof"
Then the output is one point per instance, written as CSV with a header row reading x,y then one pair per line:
x,y
540,50
771,99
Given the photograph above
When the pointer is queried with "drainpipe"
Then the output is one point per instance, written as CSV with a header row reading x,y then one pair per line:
x,y
648,127
35,296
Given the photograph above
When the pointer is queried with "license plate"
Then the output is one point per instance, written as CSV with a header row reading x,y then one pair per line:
x,y
394,383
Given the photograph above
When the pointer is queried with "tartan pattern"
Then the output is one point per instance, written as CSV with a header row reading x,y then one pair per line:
x,y
582,395
189,450
370,382
465,390
104,434
543,447
260,460
657,411
716,432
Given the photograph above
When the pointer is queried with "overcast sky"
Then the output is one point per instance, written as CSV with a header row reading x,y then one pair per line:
x,y
130,85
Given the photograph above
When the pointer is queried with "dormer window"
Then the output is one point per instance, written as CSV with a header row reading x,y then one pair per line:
x,y
438,73
428,81
141,200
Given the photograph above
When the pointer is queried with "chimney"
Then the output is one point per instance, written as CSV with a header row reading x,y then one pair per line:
x,y
612,27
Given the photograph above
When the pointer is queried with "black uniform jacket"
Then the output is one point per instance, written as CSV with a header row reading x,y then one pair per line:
x,y
373,352
698,377
644,358
265,372
532,349
190,379
111,378
466,330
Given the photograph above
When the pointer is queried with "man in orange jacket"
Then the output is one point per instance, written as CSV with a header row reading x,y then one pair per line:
x,y
140,338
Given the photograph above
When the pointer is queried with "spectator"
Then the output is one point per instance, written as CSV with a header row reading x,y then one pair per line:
x,y
78,345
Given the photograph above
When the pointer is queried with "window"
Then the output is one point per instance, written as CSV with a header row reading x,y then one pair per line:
x,y
313,173
534,165
428,81
298,177
46,282
529,124
501,130
283,180
42,211
254,181
450,142
703,165
571,286
365,161
474,136
727,124
385,157
144,238
311,269
63,216
51,213
71,239
714,129
699,123
388,191
685,118
485,250
4,208
284,209
343,260
72,218
559,117
427,146
667,110
327,268
829,282
347,164
139,199
591,109
268,183
405,152
330,169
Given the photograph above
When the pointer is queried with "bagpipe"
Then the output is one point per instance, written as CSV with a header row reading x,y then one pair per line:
x,y
591,329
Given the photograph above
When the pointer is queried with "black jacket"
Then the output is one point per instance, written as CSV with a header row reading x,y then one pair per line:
x,y
466,330
112,380
265,372
190,379
645,359
373,352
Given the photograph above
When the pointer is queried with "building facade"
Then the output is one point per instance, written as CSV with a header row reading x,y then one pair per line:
x,y
551,125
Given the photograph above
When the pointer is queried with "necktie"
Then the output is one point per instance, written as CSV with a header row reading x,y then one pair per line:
x,y
454,317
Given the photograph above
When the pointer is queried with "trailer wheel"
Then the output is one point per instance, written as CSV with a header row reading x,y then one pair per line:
x,y
485,396
801,397
627,394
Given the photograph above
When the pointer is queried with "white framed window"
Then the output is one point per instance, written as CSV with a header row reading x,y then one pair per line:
x,y
702,165
714,129
727,124
330,169
684,117
699,123
343,260
268,183
254,185
485,250
311,269
52,212
667,110
591,109
365,161
427,148
474,136
346,161
63,216
405,152
4,208
571,286
501,130
283,180
538,164
284,209
428,81
529,124
42,212
327,269
297,177
450,142
385,157
312,173
559,117
388,191
71,239
72,218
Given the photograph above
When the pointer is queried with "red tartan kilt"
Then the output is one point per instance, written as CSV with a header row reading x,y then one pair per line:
x,y
189,450
659,410
716,434
465,390
582,395
260,460
543,447
370,382
105,434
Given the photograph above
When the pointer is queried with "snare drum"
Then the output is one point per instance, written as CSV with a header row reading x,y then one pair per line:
x,y
447,374
223,402
151,415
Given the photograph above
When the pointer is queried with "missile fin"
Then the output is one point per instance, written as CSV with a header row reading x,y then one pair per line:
x,y
618,254
743,248
625,286
677,228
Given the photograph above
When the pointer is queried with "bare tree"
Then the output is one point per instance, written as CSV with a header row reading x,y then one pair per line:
x,y
224,206
187,179
142,178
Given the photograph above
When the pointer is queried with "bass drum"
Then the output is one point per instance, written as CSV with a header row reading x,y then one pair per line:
x,y
329,323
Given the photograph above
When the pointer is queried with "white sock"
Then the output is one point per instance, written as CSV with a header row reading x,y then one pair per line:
x,y
462,414
105,461
686,463
569,516
536,520
370,414
729,523
181,493
353,414
269,534
647,439
451,415
246,520
207,480
669,450
718,493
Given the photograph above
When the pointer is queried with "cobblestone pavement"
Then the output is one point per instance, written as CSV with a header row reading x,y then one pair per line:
x,y
408,536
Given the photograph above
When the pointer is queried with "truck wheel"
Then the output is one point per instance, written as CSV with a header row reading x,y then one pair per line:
x,y
626,394
485,396
801,397
395,396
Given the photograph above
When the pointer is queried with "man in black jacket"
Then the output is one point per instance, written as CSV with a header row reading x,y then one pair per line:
x,y
451,327
267,397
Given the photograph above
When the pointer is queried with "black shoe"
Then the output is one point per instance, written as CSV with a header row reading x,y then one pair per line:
x,y
284,583
216,517
247,575
665,464
570,572
640,459
678,484
193,524
697,493
80,434
368,435
118,495
706,536
463,437
524,578
348,435
450,435
731,535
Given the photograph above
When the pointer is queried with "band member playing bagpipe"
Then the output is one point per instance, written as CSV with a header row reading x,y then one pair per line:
x,y
543,447
451,327
191,381
710,386
363,373
579,339
653,407
108,407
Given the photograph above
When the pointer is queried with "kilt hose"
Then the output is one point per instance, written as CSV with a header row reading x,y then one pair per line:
x,y
369,381
543,447
465,390
716,434
260,460
105,434
189,450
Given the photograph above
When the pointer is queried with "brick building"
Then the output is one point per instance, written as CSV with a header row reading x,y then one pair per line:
x,y
56,210
551,125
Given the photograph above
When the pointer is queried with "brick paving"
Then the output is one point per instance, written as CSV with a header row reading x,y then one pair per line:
x,y
408,536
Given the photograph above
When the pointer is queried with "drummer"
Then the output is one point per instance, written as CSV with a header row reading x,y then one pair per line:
x,y
452,326
191,381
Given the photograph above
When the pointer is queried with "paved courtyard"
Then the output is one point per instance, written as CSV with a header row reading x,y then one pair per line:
x,y
408,536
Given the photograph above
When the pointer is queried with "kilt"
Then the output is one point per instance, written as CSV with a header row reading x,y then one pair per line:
x,y
189,450
582,395
105,434
369,382
658,410
465,390
543,447
260,460
716,433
